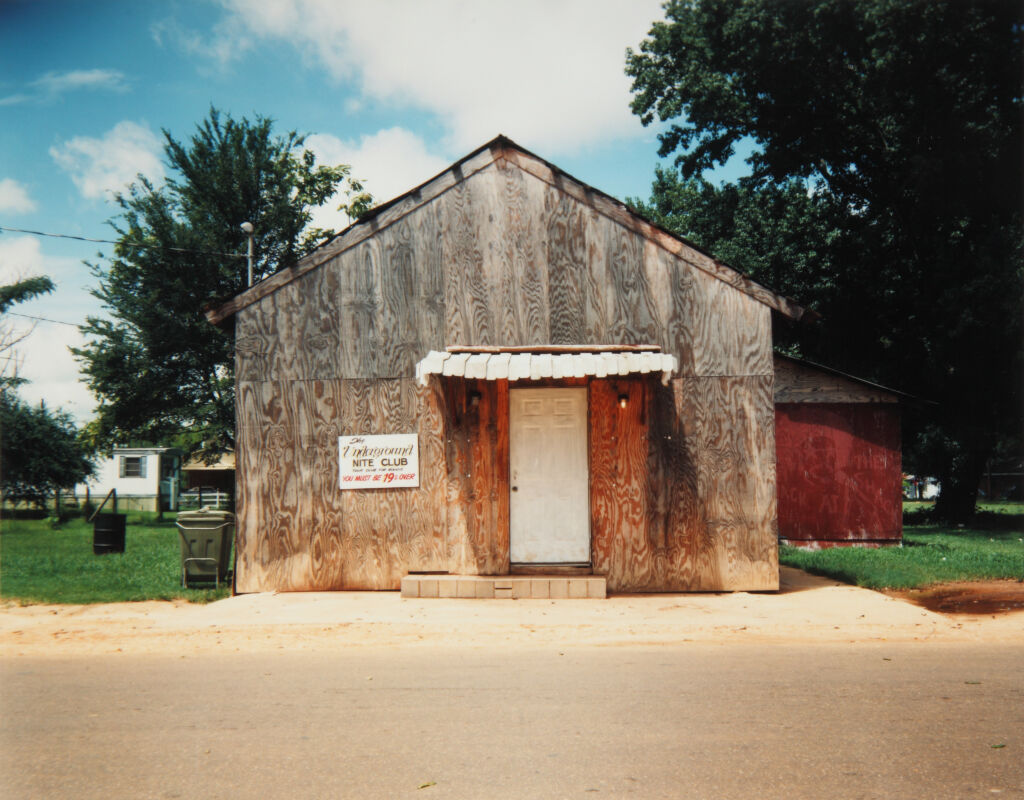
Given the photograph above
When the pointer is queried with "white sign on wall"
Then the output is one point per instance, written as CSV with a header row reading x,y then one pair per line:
x,y
385,461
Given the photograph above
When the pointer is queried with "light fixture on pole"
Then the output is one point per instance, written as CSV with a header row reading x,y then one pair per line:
x,y
248,230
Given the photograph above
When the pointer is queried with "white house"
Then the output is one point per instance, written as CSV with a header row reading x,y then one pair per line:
x,y
143,477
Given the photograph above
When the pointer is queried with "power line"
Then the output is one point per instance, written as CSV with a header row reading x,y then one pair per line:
x,y
139,245
42,319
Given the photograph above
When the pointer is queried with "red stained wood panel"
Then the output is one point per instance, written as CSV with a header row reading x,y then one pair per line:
x,y
477,453
839,472
627,544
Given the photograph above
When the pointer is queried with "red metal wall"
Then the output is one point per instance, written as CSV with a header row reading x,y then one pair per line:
x,y
839,472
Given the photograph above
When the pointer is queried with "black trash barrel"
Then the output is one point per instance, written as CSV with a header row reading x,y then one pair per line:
x,y
108,533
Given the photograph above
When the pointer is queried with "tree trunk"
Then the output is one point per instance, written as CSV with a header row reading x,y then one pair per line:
x,y
958,497
58,507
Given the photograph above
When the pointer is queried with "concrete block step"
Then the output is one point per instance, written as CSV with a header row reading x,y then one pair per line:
x,y
517,587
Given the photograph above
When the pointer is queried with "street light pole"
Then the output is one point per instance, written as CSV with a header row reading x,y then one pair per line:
x,y
248,230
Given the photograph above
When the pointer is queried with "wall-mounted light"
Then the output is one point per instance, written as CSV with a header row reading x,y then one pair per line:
x,y
623,400
474,398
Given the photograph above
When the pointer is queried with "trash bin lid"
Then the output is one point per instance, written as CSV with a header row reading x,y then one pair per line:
x,y
206,515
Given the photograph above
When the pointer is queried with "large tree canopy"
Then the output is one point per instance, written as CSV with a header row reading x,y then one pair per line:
x,y
884,189
160,371
41,451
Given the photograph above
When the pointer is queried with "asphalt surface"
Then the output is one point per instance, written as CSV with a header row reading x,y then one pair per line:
x,y
684,720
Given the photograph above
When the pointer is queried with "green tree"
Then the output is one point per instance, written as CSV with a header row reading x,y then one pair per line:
x,y
40,452
26,289
40,449
10,295
160,371
899,121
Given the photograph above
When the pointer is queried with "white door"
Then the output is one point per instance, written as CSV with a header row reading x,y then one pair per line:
x,y
549,513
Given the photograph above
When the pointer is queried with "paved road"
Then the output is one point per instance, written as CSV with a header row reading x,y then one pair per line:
x,y
698,720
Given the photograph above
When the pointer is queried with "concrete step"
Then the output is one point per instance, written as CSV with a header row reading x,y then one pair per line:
x,y
510,587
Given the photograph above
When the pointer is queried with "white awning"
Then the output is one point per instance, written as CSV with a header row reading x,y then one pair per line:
x,y
516,364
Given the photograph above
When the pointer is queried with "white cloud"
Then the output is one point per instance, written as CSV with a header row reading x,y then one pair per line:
x,y
52,85
15,99
389,162
14,197
55,83
108,164
222,46
548,73
20,257
52,371
43,356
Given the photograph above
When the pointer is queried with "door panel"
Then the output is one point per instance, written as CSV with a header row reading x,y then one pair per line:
x,y
549,512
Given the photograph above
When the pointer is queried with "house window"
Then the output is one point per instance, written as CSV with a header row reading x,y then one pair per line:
x,y
133,466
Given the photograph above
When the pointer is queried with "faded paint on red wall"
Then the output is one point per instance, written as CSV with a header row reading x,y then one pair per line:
x,y
839,472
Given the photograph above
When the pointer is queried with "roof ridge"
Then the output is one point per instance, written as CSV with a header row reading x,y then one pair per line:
x,y
501,147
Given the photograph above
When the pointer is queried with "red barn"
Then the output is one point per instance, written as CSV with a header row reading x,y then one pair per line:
x,y
837,443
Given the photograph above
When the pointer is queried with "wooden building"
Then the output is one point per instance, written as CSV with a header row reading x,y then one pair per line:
x,y
566,384
837,440
211,485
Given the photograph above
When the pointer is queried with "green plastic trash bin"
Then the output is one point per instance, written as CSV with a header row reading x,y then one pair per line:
x,y
206,537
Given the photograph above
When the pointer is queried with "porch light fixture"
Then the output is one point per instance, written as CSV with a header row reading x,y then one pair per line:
x,y
623,400
474,398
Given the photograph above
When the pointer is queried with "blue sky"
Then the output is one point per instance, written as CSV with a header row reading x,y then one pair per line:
x,y
399,90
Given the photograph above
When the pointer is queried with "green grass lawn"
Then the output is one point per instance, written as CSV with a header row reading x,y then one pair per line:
x,y
45,563
995,507
930,554
1002,507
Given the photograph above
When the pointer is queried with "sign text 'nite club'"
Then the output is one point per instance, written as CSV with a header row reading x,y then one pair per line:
x,y
377,462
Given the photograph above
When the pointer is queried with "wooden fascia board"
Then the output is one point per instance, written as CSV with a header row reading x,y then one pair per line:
x,y
618,212
404,205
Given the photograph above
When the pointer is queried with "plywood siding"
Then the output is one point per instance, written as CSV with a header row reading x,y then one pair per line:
x,y
629,514
683,485
503,257
292,333
530,265
296,529
499,259
289,528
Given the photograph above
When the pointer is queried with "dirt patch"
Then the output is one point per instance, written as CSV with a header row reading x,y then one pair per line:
x,y
969,597
806,609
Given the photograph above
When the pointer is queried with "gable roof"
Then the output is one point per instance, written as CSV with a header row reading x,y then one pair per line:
x,y
895,394
498,149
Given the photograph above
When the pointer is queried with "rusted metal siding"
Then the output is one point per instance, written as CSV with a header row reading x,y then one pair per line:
x,y
839,473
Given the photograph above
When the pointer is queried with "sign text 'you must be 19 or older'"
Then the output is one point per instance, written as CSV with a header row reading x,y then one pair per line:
x,y
385,461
